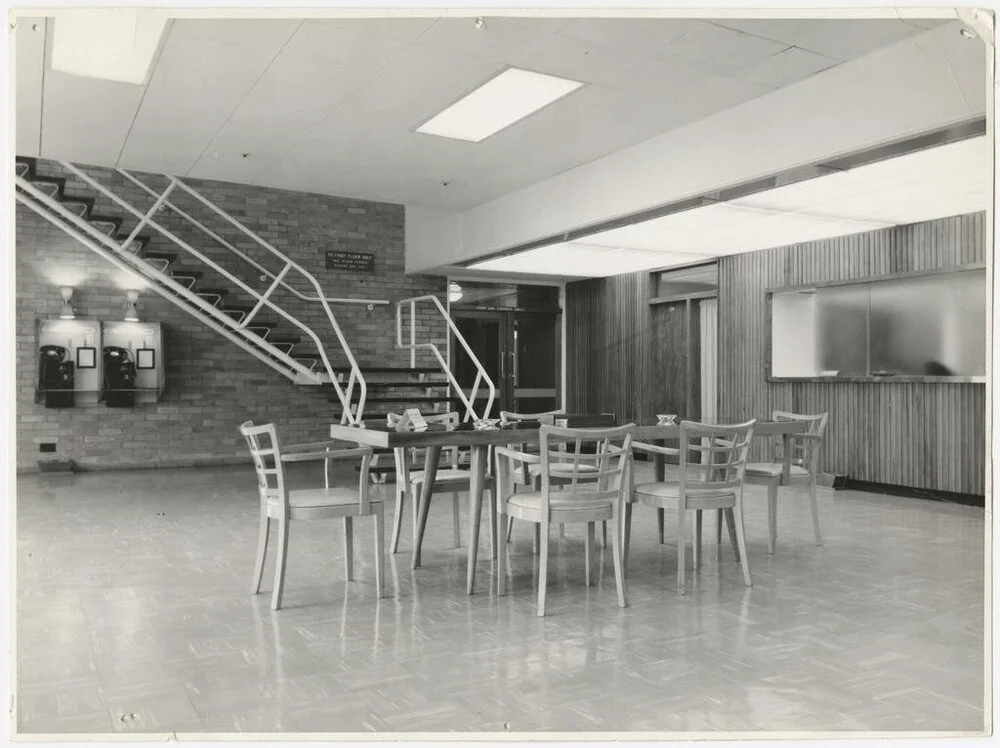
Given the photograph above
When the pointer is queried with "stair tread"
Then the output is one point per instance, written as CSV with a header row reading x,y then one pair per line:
x,y
186,274
284,339
428,399
268,325
390,369
171,256
213,291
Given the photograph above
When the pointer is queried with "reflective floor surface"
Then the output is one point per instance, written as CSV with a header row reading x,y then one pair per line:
x,y
134,615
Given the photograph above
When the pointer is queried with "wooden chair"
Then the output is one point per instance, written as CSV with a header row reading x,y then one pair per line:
x,y
528,474
712,461
278,503
409,482
580,486
803,469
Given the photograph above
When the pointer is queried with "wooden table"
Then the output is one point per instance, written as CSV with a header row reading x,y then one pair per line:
x,y
379,435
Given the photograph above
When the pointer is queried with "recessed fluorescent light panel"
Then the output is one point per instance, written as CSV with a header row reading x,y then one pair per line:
x,y
583,261
117,45
500,102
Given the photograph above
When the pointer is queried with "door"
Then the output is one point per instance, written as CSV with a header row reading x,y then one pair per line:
x,y
519,350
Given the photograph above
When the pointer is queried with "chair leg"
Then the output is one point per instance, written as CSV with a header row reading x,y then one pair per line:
x,y
258,567
696,564
604,534
626,537
659,523
731,525
349,548
741,540
543,567
588,552
538,534
772,516
379,550
279,564
502,520
456,530
397,522
619,561
681,547
815,511
493,521
510,528
718,527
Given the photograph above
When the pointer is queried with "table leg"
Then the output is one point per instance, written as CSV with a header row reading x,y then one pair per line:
x,y
426,491
478,470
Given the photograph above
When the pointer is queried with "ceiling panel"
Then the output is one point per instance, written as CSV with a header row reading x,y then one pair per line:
x,y
715,48
101,109
344,46
787,67
841,39
30,58
499,37
635,35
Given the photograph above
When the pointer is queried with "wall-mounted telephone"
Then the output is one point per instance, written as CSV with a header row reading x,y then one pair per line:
x,y
55,376
119,377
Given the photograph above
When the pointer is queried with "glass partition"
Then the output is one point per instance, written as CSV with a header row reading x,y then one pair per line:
x,y
922,325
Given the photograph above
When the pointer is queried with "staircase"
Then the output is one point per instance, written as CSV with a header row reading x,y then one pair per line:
x,y
214,293
199,284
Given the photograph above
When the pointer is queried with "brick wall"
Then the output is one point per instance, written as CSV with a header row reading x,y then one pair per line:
x,y
212,384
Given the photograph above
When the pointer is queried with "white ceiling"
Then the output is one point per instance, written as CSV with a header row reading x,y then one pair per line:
x,y
329,105
933,183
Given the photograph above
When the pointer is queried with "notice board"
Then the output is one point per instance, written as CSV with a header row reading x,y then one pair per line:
x,y
351,262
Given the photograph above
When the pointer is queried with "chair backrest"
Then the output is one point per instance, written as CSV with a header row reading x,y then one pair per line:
x,y
806,445
267,460
266,453
589,463
713,457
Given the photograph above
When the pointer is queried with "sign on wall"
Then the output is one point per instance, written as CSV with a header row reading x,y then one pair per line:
x,y
351,262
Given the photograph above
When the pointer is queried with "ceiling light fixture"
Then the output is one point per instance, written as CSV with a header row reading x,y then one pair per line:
x,y
117,44
67,308
500,102
131,313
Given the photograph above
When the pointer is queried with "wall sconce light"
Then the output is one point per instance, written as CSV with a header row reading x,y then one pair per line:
x,y
454,292
67,308
131,313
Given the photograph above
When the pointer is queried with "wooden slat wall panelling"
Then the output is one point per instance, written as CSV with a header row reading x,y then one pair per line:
x,y
924,435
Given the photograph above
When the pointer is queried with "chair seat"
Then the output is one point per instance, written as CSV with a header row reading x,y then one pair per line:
x,y
314,498
449,475
532,500
773,469
671,490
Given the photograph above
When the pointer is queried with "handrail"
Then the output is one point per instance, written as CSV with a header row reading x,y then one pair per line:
x,y
348,415
481,375
191,219
104,246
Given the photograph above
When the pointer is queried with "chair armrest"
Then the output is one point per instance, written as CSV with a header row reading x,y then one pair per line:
x,y
643,447
329,454
514,454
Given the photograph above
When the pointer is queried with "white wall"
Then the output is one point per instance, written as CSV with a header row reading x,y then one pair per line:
x,y
927,82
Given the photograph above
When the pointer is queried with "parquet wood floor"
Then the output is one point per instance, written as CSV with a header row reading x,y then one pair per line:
x,y
133,616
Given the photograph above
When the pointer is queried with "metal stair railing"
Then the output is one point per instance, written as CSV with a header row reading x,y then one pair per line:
x,y
481,376
104,246
87,234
